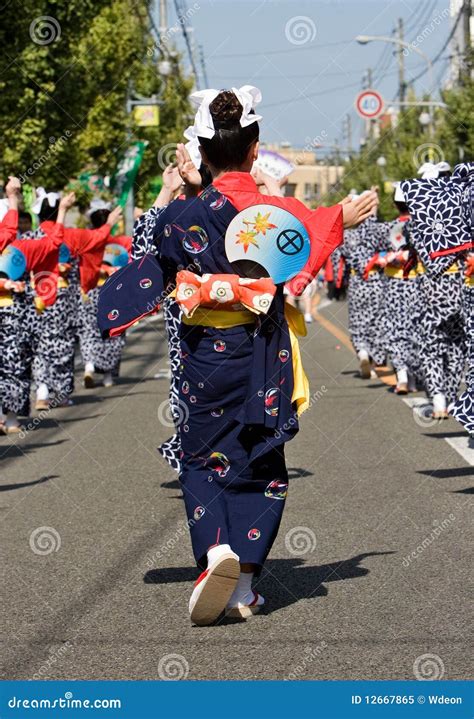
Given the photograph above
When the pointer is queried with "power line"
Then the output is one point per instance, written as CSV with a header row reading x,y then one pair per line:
x,y
424,9
437,57
180,13
313,94
411,20
300,48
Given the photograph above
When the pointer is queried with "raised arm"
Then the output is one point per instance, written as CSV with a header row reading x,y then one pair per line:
x,y
9,224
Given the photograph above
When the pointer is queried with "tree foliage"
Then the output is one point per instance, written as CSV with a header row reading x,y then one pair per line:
x,y
64,82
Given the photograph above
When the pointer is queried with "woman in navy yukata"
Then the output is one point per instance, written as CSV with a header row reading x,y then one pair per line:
x,y
241,385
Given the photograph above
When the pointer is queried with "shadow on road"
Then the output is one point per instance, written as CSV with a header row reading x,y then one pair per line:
x,y
24,448
20,485
448,473
285,581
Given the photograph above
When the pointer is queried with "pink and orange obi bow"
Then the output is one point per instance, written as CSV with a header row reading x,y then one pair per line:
x,y
223,292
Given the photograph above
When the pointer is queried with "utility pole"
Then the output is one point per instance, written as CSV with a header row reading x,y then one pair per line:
x,y
347,132
369,124
163,28
203,66
401,64
468,49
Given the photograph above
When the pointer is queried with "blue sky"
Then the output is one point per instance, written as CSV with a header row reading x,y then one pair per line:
x,y
301,55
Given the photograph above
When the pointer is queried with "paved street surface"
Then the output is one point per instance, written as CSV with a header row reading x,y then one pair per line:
x,y
368,574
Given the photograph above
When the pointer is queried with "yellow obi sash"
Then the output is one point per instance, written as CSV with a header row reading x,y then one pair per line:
x,y
397,273
469,280
297,328
454,268
6,298
370,272
220,319
224,319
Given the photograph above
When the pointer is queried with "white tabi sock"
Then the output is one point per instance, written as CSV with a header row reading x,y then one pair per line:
x,y
402,376
12,420
439,402
363,355
108,379
243,593
42,391
89,368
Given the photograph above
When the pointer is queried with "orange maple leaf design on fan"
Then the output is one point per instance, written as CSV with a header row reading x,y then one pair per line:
x,y
246,238
262,223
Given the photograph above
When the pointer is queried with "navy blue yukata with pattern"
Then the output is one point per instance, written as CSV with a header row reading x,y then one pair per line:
x,y
235,389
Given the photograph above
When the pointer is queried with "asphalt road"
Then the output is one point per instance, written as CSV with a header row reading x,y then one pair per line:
x,y
368,575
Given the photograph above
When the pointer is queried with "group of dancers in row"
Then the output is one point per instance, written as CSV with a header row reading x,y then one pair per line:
x,y
49,284
217,253
411,290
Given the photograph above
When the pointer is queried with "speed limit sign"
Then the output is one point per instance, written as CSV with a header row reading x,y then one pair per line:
x,y
369,104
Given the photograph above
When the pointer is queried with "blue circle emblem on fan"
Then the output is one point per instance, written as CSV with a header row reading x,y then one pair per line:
x,y
271,237
12,263
115,255
64,253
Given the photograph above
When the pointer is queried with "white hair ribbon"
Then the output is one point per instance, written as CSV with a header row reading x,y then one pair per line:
x,y
399,195
192,146
248,96
98,204
4,207
41,194
430,170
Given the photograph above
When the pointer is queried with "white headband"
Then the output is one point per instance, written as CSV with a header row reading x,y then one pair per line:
x,y
98,204
430,171
248,96
41,194
399,195
4,207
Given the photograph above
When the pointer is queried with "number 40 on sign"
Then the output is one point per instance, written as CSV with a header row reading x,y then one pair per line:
x,y
369,104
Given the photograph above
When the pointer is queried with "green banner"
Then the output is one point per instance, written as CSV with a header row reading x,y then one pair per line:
x,y
29,197
124,176
92,182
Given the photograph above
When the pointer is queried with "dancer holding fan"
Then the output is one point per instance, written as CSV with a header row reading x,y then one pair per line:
x,y
226,253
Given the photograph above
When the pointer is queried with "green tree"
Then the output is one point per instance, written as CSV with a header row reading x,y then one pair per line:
x,y
65,93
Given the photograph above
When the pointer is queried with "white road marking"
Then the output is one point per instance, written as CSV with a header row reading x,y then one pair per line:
x,y
462,445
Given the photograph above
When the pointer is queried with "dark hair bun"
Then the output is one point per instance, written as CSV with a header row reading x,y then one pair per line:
x,y
226,110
